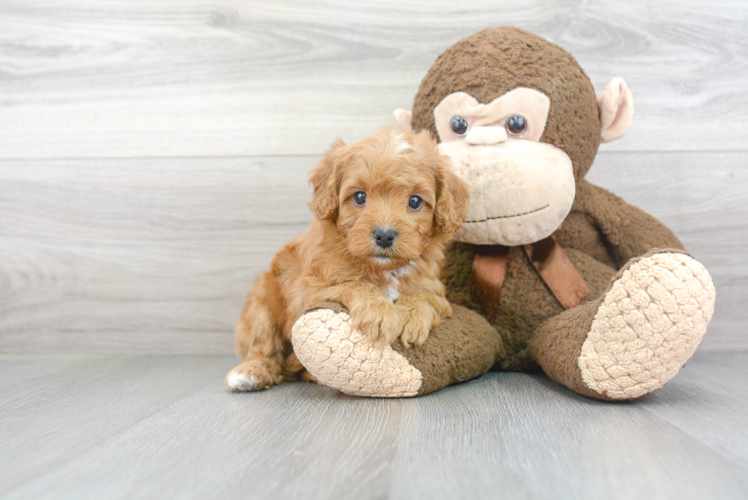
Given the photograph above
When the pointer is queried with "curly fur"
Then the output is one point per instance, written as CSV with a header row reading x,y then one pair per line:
x,y
390,292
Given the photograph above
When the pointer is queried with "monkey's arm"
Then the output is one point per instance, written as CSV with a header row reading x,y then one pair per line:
x,y
628,231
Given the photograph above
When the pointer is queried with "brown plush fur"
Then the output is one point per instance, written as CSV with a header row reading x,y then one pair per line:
x,y
338,260
601,234
526,301
463,347
491,62
557,344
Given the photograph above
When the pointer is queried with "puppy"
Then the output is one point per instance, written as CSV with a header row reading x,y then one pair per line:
x,y
384,210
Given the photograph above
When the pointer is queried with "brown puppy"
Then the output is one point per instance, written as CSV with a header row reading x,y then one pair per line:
x,y
384,209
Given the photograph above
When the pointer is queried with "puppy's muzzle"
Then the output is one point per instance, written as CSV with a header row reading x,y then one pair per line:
x,y
384,237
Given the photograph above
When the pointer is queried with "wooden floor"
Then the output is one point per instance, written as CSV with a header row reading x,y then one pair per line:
x,y
164,427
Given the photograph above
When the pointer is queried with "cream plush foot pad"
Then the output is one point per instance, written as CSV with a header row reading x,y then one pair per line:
x,y
340,358
648,325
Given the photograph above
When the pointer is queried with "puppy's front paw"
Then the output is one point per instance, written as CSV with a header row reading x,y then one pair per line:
x,y
378,319
251,375
419,319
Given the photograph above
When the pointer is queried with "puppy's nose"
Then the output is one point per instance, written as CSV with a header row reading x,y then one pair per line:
x,y
384,237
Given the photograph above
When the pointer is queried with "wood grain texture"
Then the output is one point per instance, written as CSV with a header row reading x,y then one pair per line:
x,y
86,403
153,154
103,253
156,255
164,427
718,385
98,78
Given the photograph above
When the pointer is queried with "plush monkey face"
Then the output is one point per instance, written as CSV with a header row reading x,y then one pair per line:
x,y
521,123
522,189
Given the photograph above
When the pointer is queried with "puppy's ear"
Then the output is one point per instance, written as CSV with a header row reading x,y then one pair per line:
x,y
323,178
452,198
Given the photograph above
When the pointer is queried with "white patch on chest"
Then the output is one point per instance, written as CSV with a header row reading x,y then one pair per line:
x,y
392,280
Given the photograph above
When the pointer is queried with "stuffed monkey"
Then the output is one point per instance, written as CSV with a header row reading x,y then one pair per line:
x,y
548,270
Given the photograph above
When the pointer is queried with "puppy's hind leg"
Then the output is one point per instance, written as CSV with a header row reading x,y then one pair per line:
x,y
259,340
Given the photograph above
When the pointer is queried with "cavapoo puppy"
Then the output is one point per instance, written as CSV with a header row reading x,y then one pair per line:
x,y
384,209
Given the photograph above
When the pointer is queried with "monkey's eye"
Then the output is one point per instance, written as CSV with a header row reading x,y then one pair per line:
x,y
459,125
359,199
516,125
415,203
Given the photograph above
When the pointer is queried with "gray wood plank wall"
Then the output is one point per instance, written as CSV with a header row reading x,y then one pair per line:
x,y
153,153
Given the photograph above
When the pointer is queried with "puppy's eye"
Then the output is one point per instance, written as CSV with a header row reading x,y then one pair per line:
x,y
516,125
359,199
459,125
415,203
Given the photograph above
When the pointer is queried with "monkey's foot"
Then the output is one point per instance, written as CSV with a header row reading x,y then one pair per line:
x,y
648,325
342,358
461,348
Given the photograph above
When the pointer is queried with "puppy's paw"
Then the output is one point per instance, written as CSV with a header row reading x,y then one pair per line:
x,y
419,319
253,375
378,319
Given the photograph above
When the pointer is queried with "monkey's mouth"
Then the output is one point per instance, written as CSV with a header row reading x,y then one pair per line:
x,y
507,216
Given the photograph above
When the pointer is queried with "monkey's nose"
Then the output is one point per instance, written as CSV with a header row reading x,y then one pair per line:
x,y
384,238
486,136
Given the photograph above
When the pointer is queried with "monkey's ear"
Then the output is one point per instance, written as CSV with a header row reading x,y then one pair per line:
x,y
453,197
403,117
323,178
616,109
